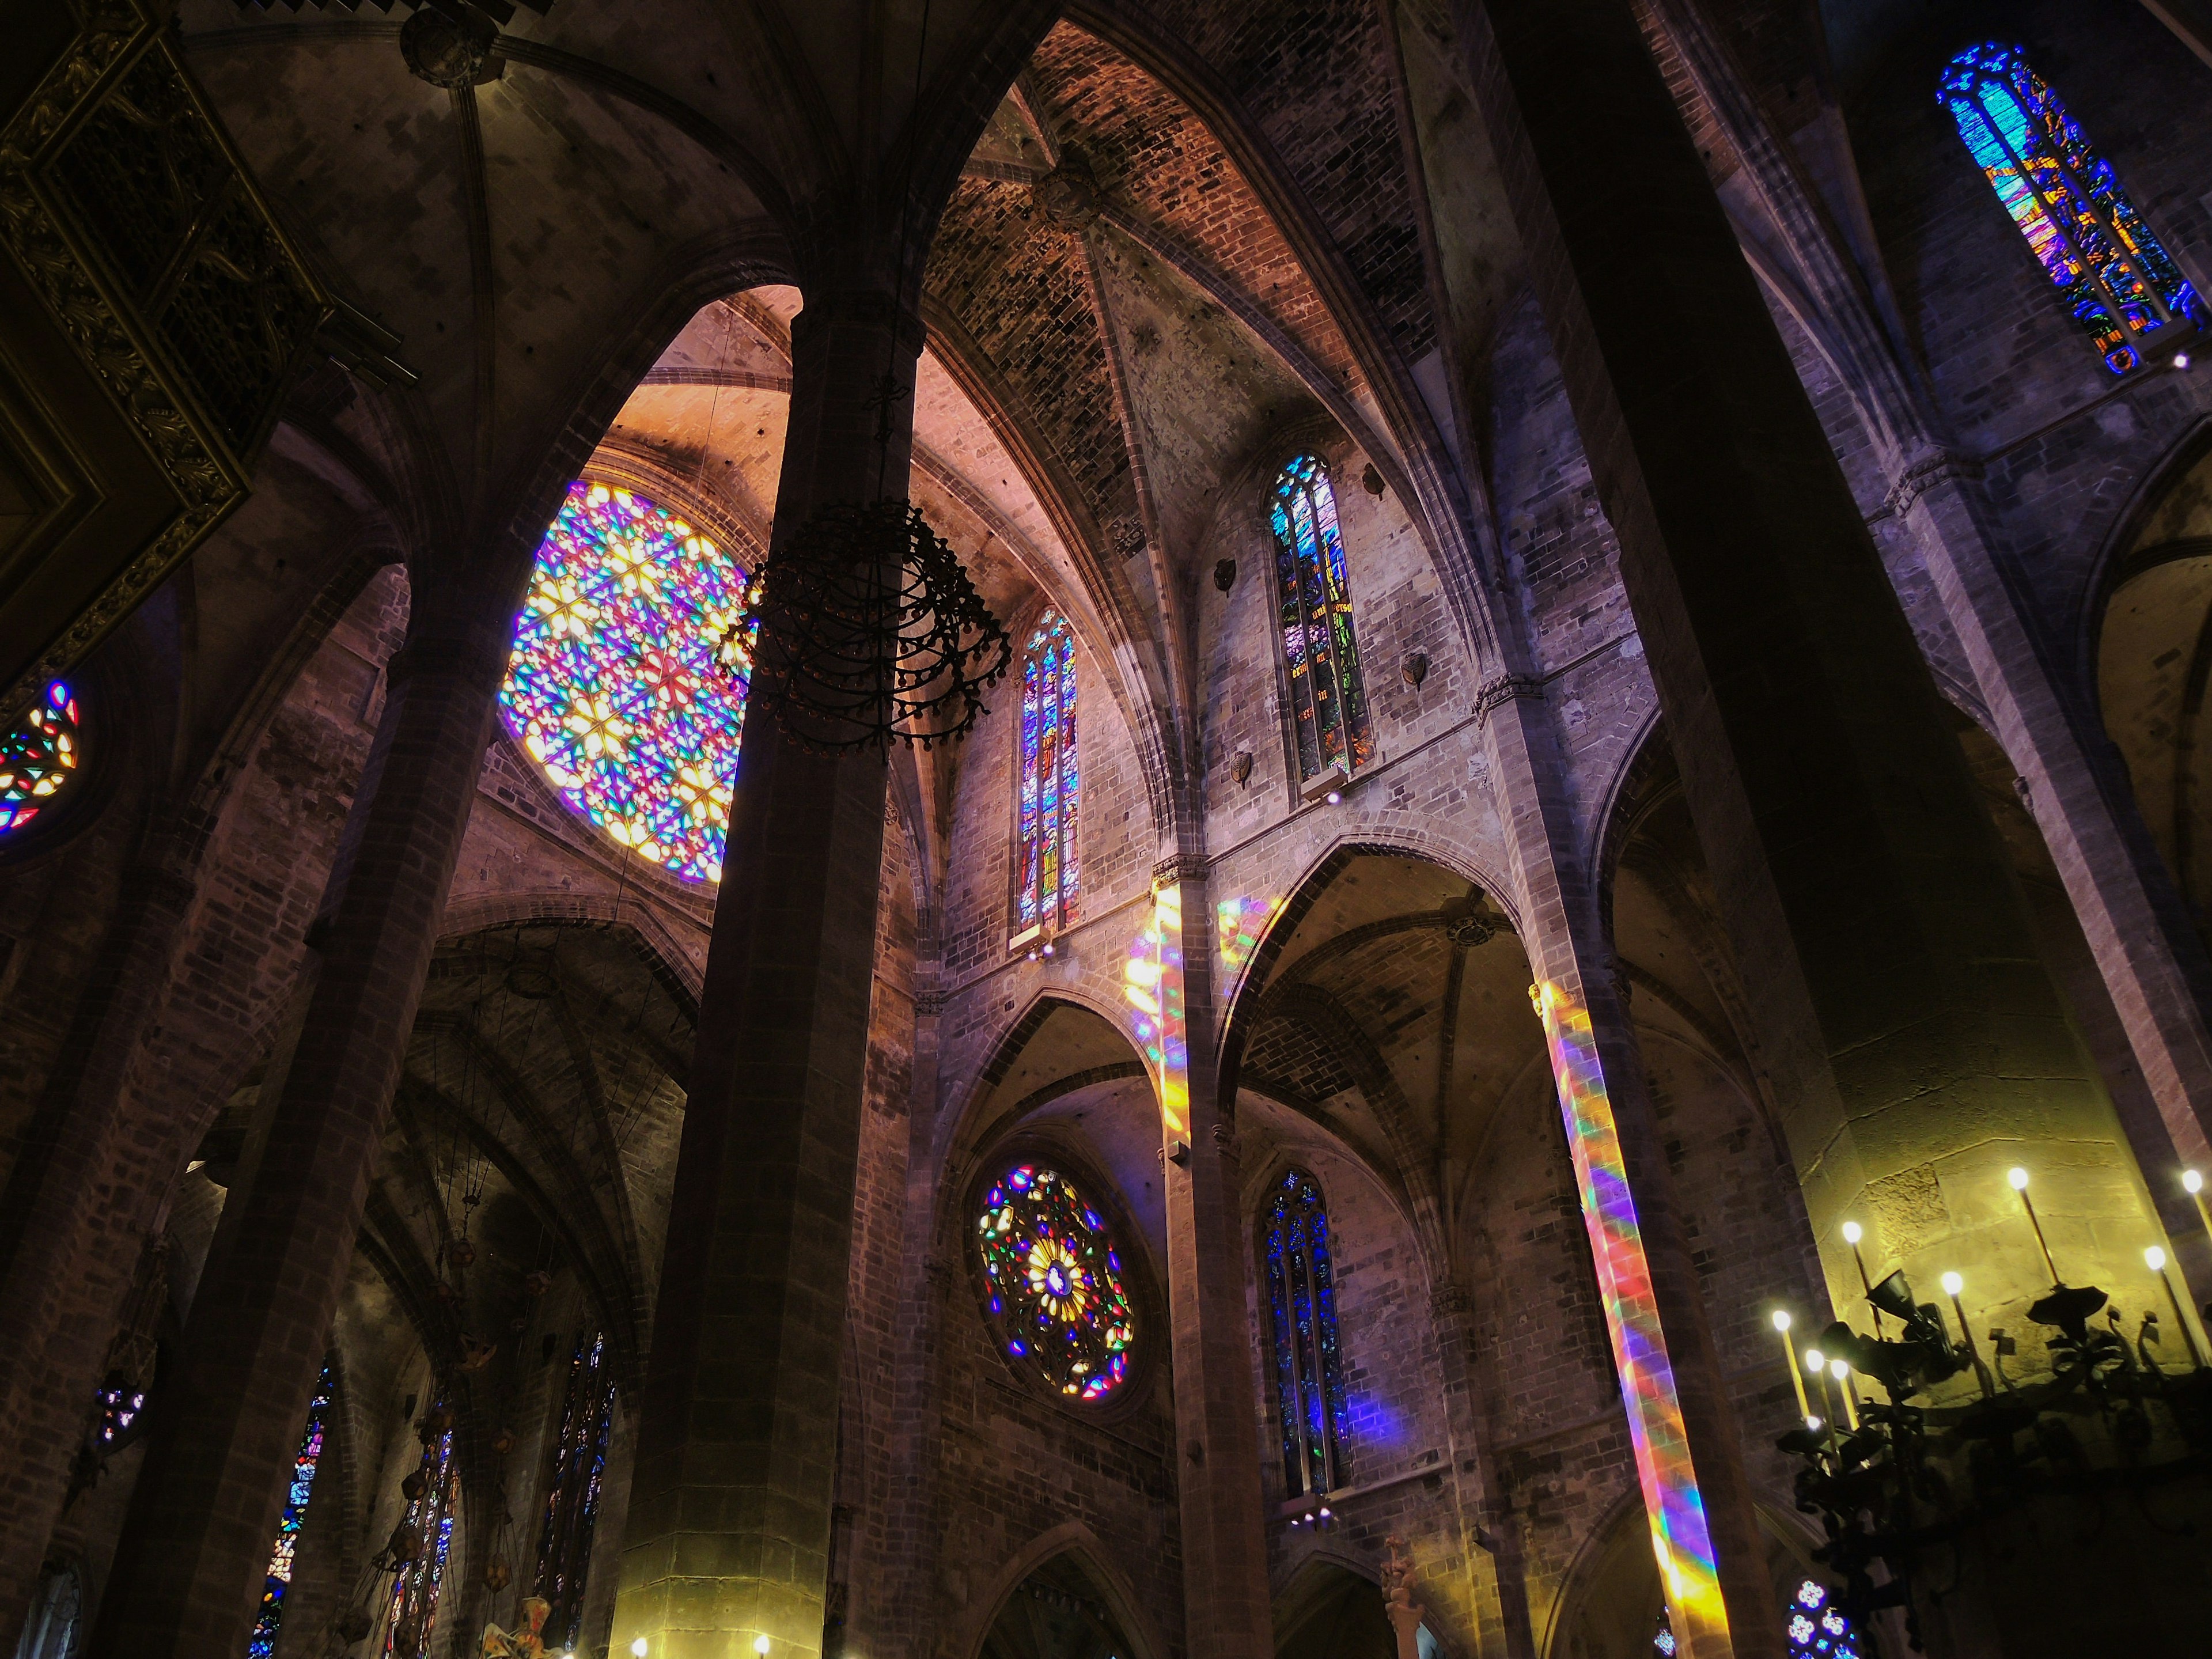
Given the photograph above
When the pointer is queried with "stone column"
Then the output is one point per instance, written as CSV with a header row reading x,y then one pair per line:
x,y
195,1546
1226,1614
728,1532
1681,1424
1918,1047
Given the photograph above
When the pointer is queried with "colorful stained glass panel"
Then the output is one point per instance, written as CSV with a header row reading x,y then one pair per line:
x,y
1309,1361
40,757
1049,794
613,687
1052,1282
263,1642
2113,275
1321,654
572,1494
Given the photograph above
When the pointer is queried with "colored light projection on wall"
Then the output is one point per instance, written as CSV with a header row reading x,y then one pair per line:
x,y
614,688
1153,982
39,757
1239,924
263,1642
1050,793
1052,1282
2064,198
1680,1536
1314,595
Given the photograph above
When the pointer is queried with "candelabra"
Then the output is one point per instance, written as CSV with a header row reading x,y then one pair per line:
x,y
1895,1482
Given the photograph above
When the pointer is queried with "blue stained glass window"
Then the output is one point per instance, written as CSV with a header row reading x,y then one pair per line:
x,y
1817,1628
1327,706
121,1402
1309,1362
572,1496
1050,792
431,1515
263,1642
39,756
2112,274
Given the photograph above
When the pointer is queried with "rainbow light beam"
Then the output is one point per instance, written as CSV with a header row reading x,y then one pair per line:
x,y
1680,1536
1152,983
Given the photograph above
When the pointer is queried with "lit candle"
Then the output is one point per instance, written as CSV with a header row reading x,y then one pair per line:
x,y
2019,1179
1852,1233
1789,1351
1841,1373
1952,1285
1817,1363
2155,1259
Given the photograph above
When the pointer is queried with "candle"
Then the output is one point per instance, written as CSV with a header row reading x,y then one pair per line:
x,y
1952,1284
1841,1373
2019,1179
2155,1259
2193,1184
1817,1363
1789,1352
1852,1233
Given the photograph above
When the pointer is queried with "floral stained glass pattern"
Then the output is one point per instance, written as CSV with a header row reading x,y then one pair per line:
x,y
1052,1282
263,1642
613,687
2112,274
1817,1628
39,756
1328,705
1050,782
572,1496
1308,1364
430,1522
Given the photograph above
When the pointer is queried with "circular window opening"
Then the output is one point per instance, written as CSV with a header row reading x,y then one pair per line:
x,y
40,756
613,688
1054,1285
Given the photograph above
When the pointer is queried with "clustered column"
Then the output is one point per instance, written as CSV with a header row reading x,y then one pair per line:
x,y
195,1545
728,1532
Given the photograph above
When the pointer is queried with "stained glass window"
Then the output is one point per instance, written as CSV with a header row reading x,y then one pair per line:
x,y
613,687
1050,795
1662,1639
1308,1364
120,1401
1052,1282
572,1497
1817,1627
1327,706
430,1514
263,1642
2110,272
39,756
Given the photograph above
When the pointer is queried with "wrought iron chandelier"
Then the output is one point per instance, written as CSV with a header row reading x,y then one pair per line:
x,y
1901,1485
863,627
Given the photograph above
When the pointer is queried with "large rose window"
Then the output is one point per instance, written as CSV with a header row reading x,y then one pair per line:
x,y
39,757
613,687
1053,1283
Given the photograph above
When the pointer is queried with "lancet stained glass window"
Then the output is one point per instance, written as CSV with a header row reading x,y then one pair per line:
x,y
1327,706
1050,784
39,756
263,1642
1308,1364
1052,1282
2112,273
572,1496
1817,1628
430,1514
613,687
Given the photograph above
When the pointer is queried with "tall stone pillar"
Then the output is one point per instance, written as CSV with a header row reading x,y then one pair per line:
x,y
1682,1426
1918,1047
195,1546
1224,1554
728,1533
